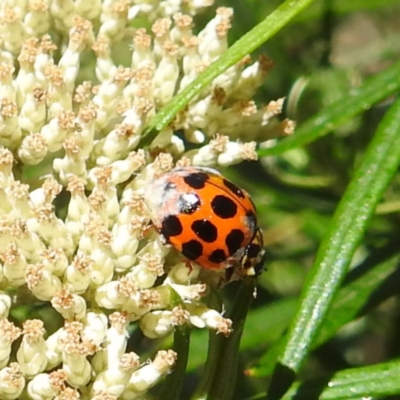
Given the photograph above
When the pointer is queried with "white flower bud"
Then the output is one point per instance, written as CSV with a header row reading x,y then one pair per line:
x,y
182,274
47,386
109,296
166,74
5,305
77,367
41,282
40,388
33,112
37,20
116,339
70,306
6,165
55,261
94,327
237,152
31,354
8,334
159,323
213,38
95,242
78,273
33,149
55,132
147,376
12,382
123,169
89,9
74,353
15,264
124,246
156,324
149,268
201,317
54,349
114,379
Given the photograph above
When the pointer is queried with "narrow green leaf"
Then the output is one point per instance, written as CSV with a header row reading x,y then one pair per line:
x,y
349,223
245,45
368,285
354,102
376,281
366,382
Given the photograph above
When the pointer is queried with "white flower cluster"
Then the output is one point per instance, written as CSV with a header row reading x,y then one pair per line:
x,y
99,266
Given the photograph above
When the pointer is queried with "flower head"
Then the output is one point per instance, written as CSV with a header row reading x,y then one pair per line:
x,y
75,232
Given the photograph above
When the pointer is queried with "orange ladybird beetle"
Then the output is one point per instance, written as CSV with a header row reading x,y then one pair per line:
x,y
207,218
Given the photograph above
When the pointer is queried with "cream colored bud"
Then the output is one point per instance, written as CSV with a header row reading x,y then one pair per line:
x,y
182,274
78,273
5,305
147,376
32,115
43,284
46,386
201,317
8,334
78,369
94,327
116,338
33,149
124,246
109,296
114,379
54,349
14,268
156,324
31,354
12,382
70,306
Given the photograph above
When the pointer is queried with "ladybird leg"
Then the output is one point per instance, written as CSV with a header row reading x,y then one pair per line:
x,y
147,229
228,273
189,265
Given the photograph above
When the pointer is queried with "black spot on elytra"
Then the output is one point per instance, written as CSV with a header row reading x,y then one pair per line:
x,y
234,241
217,256
171,226
189,203
196,180
234,189
223,206
205,230
192,249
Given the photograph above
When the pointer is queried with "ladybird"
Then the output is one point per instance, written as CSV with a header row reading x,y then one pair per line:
x,y
207,218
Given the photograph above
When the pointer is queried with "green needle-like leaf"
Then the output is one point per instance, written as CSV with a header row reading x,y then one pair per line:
x,y
354,102
368,285
356,383
349,223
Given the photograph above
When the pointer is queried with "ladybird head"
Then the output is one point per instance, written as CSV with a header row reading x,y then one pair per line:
x,y
253,258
